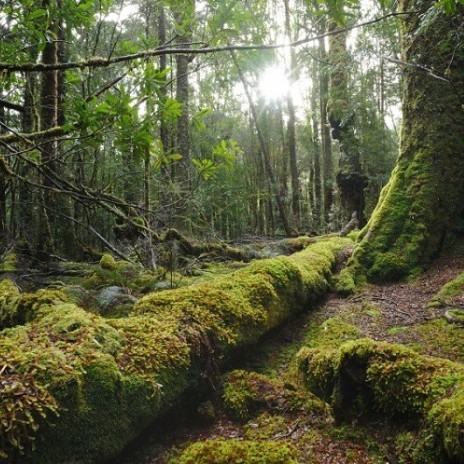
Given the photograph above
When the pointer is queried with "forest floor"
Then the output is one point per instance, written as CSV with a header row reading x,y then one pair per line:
x,y
396,313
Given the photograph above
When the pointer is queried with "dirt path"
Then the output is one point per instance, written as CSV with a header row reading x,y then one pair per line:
x,y
396,313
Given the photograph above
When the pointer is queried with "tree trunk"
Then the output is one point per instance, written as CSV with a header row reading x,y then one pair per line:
x,y
3,189
184,16
421,208
49,119
326,141
273,187
27,198
350,178
291,128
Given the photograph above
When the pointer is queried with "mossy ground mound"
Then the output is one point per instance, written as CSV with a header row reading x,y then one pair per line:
x,y
236,451
89,385
248,393
364,377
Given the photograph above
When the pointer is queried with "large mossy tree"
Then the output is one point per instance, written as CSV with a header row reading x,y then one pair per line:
x,y
421,209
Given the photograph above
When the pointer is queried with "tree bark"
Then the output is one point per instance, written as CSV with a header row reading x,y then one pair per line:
x,y
184,15
49,119
326,141
3,195
291,128
350,178
421,208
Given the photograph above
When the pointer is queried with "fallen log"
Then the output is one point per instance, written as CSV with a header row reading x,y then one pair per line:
x,y
365,379
76,387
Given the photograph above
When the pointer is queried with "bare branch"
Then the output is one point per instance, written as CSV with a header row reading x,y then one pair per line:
x,y
12,106
99,62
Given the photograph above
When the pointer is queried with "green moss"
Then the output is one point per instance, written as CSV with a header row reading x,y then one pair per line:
x,y
344,283
247,393
108,262
449,291
108,379
9,294
455,316
221,451
292,245
438,338
319,369
9,263
367,377
110,272
319,351
266,426
18,308
207,412
421,207
353,235
332,333
248,302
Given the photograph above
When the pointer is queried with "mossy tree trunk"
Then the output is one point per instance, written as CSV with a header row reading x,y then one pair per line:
x,y
422,206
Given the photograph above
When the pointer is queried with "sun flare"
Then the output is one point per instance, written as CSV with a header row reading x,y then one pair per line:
x,y
274,83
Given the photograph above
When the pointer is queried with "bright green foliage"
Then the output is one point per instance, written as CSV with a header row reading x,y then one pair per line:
x,y
90,384
365,377
235,451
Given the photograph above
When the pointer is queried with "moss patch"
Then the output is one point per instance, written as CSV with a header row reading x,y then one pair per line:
x,y
18,308
248,393
444,297
235,451
9,263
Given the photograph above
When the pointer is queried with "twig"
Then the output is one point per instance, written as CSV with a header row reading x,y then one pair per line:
x,y
289,433
371,297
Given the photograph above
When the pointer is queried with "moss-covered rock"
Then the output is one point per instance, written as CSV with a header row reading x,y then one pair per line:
x,y
92,384
221,451
364,377
108,262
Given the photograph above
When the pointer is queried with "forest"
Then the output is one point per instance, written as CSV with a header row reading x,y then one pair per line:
x,y
232,231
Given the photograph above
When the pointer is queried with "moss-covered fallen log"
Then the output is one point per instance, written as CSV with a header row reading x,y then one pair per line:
x,y
365,378
77,388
